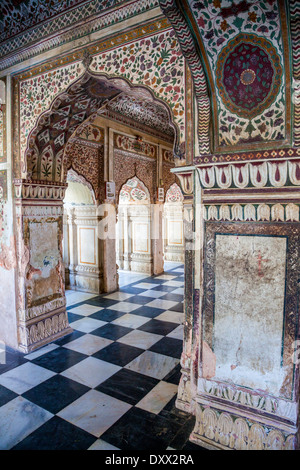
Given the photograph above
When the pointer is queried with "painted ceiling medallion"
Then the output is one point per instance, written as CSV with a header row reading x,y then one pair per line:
x,y
248,75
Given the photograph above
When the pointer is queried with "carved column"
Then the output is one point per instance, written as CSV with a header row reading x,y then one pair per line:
x,y
157,238
72,232
187,382
107,246
41,302
126,239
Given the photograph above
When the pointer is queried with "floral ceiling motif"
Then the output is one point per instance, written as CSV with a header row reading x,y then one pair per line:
x,y
160,73
213,26
248,75
70,109
148,113
17,16
156,62
245,50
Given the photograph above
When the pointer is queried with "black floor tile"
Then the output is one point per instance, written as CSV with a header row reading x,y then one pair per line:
x,y
106,315
178,307
71,337
6,395
151,280
102,302
168,346
182,437
56,393
139,429
171,412
59,359
74,317
139,299
131,290
12,359
111,331
174,376
172,297
158,327
57,434
118,353
191,447
149,312
128,386
164,288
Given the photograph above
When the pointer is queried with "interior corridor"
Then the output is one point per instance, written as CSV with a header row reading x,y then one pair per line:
x,y
112,383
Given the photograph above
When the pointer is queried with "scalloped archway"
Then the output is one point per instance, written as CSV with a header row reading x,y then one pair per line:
x,y
82,102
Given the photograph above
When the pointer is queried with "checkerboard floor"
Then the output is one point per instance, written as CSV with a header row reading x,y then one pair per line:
x,y
112,383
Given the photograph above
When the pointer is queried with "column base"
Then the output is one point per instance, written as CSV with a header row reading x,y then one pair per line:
x,y
42,330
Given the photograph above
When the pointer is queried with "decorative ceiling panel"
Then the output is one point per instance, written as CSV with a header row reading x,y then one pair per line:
x,y
17,16
245,48
145,112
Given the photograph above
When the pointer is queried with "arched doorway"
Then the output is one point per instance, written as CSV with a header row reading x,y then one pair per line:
x,y
134,228
41,294
173,225
80,244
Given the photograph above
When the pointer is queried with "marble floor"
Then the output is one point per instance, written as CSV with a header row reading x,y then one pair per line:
x,y
112,383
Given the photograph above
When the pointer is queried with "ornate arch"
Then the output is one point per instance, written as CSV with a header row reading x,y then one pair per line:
x,y
74,177
174,194
189,49
80,103
134,191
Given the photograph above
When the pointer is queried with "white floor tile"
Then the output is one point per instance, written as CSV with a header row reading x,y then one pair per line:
x,y
23,378
179,291
124,307
91,371
146,285
152,293
118,296
158,397
174,284
94,412
75,297
177,333
86,325
153,364
85,310
163,304
140,339
19,418
131,321
88,344
102,445
173,317
166,277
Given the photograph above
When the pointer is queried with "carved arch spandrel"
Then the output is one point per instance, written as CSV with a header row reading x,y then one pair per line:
x,y
81,102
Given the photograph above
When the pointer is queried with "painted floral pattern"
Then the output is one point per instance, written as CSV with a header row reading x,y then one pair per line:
x,y
134,191
37,94
174,194
218,23
156,62
18,15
